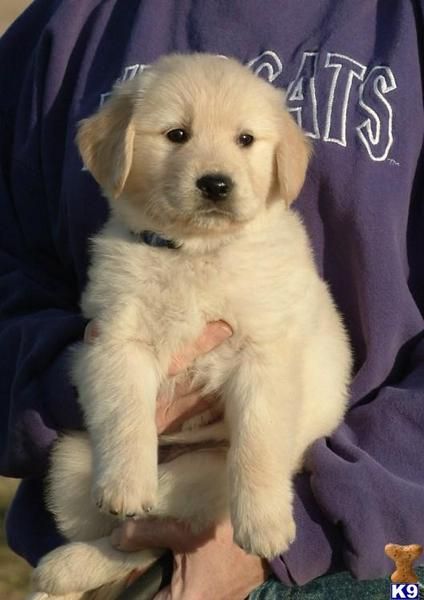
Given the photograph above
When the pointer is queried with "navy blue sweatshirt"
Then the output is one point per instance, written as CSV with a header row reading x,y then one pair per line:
x,y
354,76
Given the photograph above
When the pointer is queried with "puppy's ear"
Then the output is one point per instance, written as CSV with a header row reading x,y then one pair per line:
x,y
106,142
293,153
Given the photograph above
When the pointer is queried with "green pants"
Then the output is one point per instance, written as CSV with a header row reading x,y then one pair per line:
x,y
340,586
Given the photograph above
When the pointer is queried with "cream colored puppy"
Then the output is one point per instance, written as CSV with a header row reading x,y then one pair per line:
x,y
200,155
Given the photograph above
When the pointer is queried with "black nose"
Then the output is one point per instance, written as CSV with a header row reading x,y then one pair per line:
x,y
215,187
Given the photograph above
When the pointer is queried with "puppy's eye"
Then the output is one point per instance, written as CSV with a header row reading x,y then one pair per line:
x,y
177,136
245,139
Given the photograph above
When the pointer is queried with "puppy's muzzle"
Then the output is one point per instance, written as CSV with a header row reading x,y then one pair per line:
x,y
215,187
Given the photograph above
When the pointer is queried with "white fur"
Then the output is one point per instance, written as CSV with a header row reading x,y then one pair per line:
x,y
282,376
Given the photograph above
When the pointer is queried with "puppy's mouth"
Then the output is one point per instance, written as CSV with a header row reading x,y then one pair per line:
x,y
208,220
218,216
216,211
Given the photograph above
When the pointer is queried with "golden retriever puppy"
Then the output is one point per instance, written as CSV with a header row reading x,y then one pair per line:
x,y
200,161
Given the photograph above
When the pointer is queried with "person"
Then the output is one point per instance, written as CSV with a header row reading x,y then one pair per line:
x,y
353,74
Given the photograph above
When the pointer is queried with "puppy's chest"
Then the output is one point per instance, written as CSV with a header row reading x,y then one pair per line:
x,y
198,290
170,295
217,287
190,291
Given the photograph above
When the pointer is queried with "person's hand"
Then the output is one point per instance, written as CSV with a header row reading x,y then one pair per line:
x,y
186,402
209,566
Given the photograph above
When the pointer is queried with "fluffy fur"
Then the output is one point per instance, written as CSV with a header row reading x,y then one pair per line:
x,y
282,377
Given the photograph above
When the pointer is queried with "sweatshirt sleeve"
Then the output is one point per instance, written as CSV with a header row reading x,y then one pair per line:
x,y
39,315
364,486
39,322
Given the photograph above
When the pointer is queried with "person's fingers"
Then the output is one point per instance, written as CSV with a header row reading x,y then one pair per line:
x,y
91,331
171,416
212,336
157,533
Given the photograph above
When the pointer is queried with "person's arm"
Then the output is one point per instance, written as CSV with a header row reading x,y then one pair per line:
x,y
40,322
39,282
44,231
39,315
365,485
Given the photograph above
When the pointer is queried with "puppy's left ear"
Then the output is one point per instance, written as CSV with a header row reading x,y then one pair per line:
x,y
293,153
106,142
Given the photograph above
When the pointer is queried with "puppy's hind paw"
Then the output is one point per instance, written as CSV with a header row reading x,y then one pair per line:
x,y
60,574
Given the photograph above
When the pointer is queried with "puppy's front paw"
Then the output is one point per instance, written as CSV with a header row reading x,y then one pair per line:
x,y
127,494
263,526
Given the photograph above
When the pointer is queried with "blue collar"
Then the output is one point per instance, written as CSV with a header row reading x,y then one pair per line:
x,y
151,238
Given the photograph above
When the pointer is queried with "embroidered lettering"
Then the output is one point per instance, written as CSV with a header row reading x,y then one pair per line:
x,y
345,69
376,132
301,95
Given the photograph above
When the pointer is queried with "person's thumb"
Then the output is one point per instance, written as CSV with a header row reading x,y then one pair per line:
x,y
156,533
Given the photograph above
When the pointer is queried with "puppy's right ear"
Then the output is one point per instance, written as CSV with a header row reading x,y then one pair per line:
x,y
106,142
293,155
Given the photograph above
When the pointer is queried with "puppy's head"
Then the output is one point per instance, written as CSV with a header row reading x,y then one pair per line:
x,y
195,144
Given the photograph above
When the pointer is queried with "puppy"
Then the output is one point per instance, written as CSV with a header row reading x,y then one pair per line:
x,y
200,161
